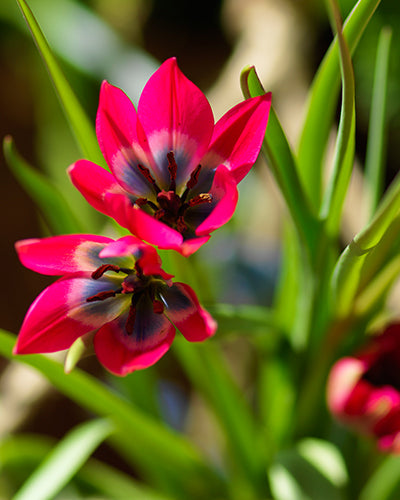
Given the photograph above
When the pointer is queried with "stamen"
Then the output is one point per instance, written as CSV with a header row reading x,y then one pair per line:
x,y
159,214
130,322
102,295
181,225
147,175
172,169
200,198
141,201
194,177
98,273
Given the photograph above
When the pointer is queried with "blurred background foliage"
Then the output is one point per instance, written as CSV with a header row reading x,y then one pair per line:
x,y
123,41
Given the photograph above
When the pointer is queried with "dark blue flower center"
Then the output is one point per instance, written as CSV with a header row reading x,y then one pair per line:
x,y
135,283
170,207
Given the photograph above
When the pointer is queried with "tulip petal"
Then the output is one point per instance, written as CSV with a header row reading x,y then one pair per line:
x,y
122,353
210,216
238,136
145,255
175,116
185,312
62,254
94,182
61,314
121,138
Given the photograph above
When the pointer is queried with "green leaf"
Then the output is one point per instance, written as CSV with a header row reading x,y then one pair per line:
x,y
283,164
50,201
322,103
347,273
344,150
383,482
228,404
295,477
28,450
77,118
374,164
64,460
168,455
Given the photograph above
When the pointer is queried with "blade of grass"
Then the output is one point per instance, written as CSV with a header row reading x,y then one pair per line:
x,y
383,481
374,160
322,103
166,451
50,201
77,118
344,150
64,460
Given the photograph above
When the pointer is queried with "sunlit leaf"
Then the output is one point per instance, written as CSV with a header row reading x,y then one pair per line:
x,y
78,120
64,460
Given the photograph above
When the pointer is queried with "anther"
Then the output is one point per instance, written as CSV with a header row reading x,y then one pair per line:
x,y
181,225
172,169
194,177
147,175
141,201
102,296
98,273
199,199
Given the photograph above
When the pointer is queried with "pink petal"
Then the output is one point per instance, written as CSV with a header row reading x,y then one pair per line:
x,y
121,353
191,245
121,138
175,116
145,255
186,313
238,136
62,254
94,182
225,197
60,314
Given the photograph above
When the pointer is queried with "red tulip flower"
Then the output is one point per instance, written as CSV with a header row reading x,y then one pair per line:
x,y
174,173
116,289
364,390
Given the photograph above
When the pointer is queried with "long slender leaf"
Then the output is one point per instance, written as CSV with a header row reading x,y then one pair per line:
x,y
283,164
374,172
165,451
322,102
344,151
346,276
64,461
29,450
78,120
229,405
383,482
53,206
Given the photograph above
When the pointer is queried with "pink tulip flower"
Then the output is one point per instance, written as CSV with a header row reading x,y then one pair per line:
x,y
364,390
116,289
174,173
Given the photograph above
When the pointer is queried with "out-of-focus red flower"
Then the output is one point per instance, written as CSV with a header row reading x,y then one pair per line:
x,y
364,390
116,289
174,173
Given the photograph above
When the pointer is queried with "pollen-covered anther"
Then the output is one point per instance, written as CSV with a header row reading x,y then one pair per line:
x,y
98,273
199,199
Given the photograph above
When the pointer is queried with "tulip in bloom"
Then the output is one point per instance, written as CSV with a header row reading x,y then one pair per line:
x,y
364,390
116,289
174,173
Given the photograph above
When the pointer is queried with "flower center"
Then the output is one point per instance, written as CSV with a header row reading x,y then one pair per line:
x,y
136,284
170,207
385,371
